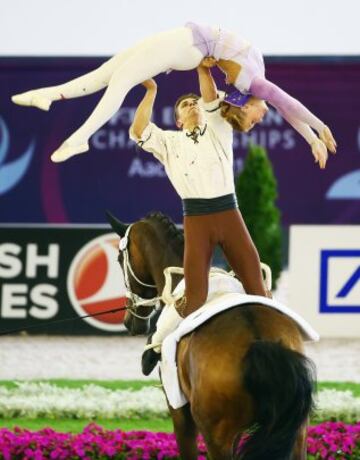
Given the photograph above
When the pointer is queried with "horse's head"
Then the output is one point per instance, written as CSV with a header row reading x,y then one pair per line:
x,y
142,290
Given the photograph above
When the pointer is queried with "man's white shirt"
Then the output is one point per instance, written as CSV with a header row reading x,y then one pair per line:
x,y
202,169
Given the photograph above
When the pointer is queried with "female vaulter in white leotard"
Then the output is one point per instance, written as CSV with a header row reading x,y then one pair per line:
x,y
179,49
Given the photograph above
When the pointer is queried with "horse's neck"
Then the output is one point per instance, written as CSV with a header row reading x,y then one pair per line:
x,y
160,253
173,261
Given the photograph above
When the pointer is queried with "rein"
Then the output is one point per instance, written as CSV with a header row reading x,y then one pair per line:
x,y
64,320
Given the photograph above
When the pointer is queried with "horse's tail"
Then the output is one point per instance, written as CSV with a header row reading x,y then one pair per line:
x,y
281,383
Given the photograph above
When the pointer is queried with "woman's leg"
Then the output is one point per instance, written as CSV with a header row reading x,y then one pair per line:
x,y
82,86
169,50
241,253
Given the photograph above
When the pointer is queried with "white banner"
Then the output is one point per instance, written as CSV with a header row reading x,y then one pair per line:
x,y
324,284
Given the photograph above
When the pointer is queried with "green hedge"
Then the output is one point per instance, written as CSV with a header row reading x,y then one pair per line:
x,y
256,190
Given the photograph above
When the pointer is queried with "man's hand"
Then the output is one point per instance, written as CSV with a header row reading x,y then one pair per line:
x,y
319,151
143,112
207,84
328,139
208,62
150,84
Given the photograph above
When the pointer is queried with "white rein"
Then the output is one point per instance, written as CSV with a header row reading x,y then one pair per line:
x,y
136,300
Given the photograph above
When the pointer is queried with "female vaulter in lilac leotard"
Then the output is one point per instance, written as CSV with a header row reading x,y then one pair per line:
x,y
222,44
178,49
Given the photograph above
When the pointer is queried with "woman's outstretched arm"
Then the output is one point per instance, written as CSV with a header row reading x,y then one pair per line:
x,y
318,148
291,108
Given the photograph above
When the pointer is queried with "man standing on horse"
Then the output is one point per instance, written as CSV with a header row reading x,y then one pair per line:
x,y
198,160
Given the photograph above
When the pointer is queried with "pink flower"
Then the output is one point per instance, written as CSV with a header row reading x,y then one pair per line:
x,y
327,441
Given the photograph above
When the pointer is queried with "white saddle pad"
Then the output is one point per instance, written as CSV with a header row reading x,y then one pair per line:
x,y
216,303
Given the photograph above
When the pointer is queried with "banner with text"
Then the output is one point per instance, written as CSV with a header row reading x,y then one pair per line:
x,y
115,174
51,273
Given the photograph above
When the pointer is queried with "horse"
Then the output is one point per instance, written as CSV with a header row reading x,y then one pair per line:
x,y
243,372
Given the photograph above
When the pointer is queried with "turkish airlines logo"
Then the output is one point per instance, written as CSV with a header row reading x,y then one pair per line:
x,y
95,283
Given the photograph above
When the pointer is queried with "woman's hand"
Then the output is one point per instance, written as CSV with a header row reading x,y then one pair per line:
x,y
150,84
208,62
328,139
319,151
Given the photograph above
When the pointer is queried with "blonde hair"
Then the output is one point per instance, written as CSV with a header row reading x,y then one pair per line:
x,y
236,116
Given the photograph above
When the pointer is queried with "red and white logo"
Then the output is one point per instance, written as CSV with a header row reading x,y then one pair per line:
x,y
95,283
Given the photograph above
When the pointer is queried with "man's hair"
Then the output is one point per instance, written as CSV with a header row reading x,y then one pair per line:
x,y
180,99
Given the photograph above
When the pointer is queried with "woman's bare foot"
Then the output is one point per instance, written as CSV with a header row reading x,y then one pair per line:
x,y
68,150
33,99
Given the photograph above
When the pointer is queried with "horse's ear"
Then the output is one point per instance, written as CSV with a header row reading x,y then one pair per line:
x,y
118,227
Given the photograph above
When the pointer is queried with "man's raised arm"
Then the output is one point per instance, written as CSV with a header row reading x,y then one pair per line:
x,y
208,89
144,111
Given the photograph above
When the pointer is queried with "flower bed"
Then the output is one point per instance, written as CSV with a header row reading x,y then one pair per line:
x,y
334,441
44,400
92,443
38,400
327,441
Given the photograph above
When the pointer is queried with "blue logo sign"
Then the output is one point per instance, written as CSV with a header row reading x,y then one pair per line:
x,y
340,281
11,173
347,187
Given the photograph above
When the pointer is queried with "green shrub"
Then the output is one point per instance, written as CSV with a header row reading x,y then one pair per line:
x,y
256,190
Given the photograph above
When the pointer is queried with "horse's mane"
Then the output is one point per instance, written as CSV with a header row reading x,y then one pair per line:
x,y
171,232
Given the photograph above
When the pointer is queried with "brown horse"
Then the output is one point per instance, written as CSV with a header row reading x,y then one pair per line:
x,y
243,370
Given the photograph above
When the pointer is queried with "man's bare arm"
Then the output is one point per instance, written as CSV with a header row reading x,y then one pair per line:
x,y
208,89
144,111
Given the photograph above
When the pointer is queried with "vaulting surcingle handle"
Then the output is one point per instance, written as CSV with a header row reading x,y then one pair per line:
x,y
167,297
267,275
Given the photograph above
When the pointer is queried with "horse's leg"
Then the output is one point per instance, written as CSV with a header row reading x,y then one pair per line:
x,y
300,448
220,405
185,432
220,427
218,450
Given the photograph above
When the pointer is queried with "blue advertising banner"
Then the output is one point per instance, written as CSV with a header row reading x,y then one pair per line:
x,y
115,174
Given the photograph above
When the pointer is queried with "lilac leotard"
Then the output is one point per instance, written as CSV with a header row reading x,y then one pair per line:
x,y
221,44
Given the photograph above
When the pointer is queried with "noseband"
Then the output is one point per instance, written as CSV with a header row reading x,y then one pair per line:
x,y
128,271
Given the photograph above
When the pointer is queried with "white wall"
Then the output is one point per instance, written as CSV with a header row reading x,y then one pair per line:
x,y
101,27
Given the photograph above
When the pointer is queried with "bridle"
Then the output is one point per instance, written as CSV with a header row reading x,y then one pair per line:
x,y
136,300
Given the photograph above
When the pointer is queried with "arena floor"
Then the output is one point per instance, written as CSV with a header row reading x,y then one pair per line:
x,y
45,357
